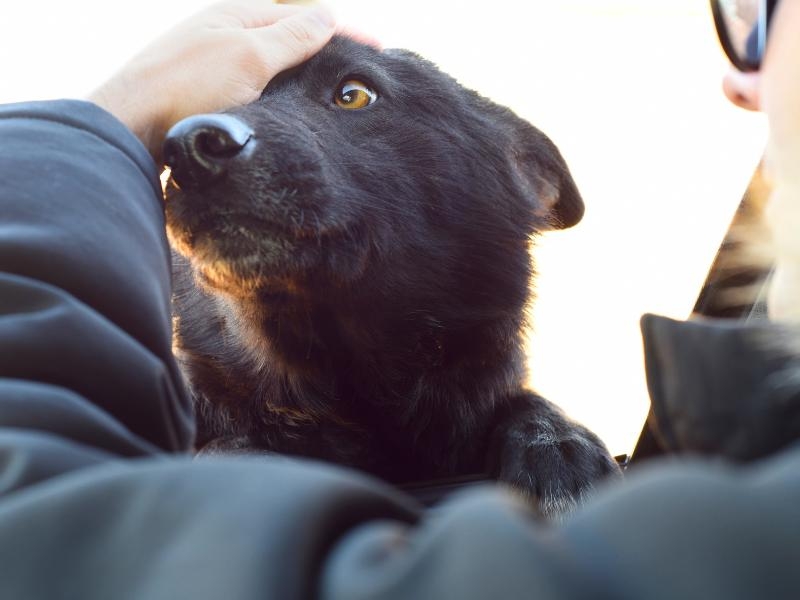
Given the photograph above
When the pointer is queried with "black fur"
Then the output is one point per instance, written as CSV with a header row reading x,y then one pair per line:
x,y
354,288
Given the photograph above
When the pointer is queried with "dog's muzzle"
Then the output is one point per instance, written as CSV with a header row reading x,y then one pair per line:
x,y
199,148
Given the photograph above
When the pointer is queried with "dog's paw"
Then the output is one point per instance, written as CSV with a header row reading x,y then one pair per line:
x,y
553,462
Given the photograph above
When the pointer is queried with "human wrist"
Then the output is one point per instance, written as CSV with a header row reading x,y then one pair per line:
x,y
128,97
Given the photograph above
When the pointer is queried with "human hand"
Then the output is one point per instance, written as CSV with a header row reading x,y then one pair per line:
x,y
221,57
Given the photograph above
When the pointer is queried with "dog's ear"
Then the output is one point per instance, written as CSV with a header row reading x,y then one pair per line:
x,y
543,177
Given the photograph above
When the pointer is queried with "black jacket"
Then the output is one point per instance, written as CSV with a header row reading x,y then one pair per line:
x,y
99,497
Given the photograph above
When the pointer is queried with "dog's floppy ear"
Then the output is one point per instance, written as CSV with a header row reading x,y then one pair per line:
x,y
542,175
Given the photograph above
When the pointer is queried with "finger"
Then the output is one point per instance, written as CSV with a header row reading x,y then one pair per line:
x,y
297,38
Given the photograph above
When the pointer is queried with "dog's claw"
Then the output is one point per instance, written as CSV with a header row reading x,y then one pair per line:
x,y
550,460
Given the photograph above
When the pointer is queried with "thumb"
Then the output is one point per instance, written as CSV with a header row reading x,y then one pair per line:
x,y
296,38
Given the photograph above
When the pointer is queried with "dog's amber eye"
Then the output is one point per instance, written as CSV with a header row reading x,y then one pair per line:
x,y
353,94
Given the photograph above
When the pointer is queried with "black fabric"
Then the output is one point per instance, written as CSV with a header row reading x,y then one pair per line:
x,y
84,279
723,387
99,498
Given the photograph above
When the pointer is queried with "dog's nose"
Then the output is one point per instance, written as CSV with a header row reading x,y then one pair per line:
x,y
199,148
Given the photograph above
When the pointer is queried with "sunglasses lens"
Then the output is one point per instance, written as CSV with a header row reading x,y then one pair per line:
x,y
740,19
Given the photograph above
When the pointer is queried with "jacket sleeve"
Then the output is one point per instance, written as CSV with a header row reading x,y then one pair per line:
x,y
85,356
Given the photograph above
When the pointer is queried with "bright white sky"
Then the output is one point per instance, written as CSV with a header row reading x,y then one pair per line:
x,y
629,90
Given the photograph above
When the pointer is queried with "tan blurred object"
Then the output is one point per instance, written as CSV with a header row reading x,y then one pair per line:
x,y
298,2
738,276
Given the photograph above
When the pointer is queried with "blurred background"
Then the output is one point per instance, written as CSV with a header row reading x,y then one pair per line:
x,y
628,89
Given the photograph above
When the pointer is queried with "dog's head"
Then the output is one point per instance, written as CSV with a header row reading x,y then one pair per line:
x,y
360,158
366,205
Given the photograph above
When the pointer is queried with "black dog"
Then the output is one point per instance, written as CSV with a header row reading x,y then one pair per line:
x,y
357,270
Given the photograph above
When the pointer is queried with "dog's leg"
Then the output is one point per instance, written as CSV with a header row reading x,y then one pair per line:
x,y
551,460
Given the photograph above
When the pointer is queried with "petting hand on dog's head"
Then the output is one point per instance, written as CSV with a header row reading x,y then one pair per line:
x,y
222,57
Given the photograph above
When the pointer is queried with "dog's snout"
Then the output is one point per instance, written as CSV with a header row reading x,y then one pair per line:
x,y
199,148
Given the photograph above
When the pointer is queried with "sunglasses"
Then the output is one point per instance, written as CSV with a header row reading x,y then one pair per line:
x,y
742,27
